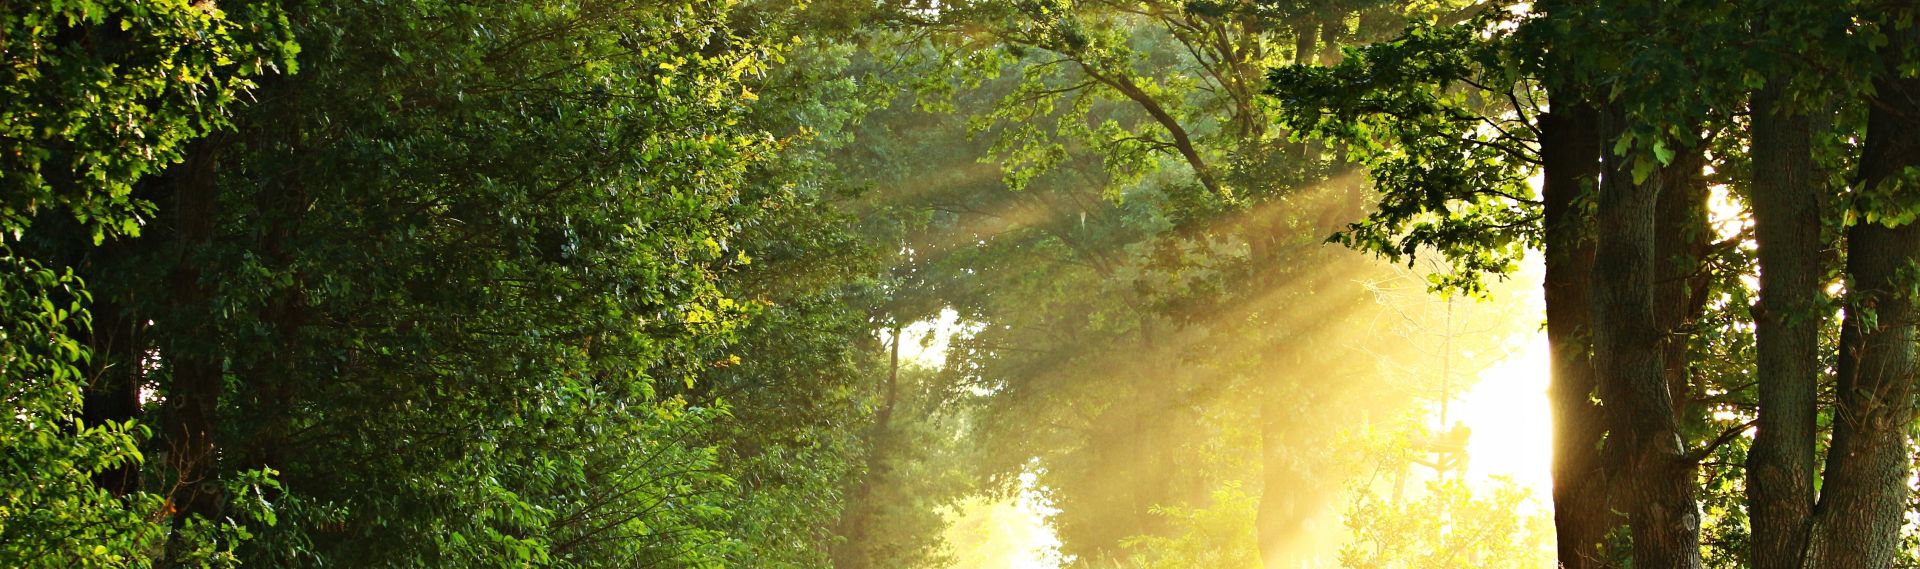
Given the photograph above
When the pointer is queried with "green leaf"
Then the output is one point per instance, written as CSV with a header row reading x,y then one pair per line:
x,y
1643,169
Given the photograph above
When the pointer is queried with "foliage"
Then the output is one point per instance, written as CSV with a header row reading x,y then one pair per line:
x,y
491,326
97,96
1221,534
612,283
51,515
103,93
1442,121
1452,525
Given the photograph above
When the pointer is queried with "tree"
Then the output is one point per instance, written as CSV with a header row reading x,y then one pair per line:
x,y
1448,527
1633,111
99,95
371,268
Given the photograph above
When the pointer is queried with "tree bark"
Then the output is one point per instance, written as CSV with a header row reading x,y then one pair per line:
x,y
1306,42
1864,489
1583,515
857,517
271,377
113,386
193,395
1182,142
1285,493
1644,433
1683,239
1787,319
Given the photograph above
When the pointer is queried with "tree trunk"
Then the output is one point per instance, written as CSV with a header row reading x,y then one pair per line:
x,y
193,396
890,393
117,340
1683,239
113,386
1570,151
271,377
857,516
1306,42
1283,509
1864,489
1155,404
1787,319
1333,26
1627,344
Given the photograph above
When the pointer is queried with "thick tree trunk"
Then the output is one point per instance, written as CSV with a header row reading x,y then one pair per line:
x,y
117,340
271,377
1683,238
857,517
1154,444
1306,42
1787,319
1656,476
1284,508
1570,149
1864,489
113,386
1332,28
193,396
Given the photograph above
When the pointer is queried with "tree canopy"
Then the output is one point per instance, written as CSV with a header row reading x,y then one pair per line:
x,y
1156,284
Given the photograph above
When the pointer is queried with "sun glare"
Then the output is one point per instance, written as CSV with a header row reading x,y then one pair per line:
x,y
1509,414
1010,533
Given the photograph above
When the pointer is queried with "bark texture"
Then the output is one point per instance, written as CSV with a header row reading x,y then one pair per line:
x,y
271,380
1864,489
197,379
1583,515
113,384
1787,319
1644,436
1683,240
